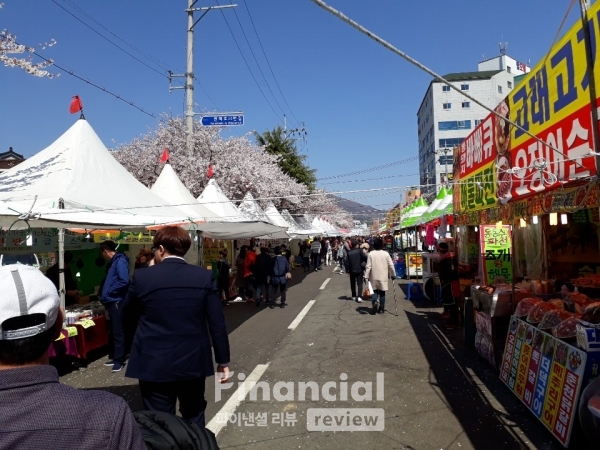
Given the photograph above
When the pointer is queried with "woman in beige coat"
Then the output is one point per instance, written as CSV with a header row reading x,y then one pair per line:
x,y
379,268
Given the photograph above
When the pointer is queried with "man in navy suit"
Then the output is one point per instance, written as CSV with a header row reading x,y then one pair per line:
x,y
181,313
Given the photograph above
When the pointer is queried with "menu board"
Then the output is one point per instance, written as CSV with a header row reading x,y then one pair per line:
x,y
414,264
546,374
496,245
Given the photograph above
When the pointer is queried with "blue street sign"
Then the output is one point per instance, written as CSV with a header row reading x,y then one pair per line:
x,y
215,121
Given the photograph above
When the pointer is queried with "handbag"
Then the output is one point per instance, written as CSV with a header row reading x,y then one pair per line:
x,y
288,276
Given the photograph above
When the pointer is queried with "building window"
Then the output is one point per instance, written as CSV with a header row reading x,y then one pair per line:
x,y
466,104
450,142
478,121
447,105
454,125
464,87
509,84
499,89
445,88
508,69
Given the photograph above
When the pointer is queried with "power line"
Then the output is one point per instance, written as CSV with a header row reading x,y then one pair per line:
x,y
385,166
108,40
371,179
268,63
256,61
156,61
246,62
91,83
416,63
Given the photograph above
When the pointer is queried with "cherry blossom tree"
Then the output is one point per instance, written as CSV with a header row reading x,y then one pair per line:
x,y
10,47
239,166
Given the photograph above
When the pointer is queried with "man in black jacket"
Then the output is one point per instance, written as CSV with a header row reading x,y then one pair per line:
x,y
262,269
447,271
355,261
181,322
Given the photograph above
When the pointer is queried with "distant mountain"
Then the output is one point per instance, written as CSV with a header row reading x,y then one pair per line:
x,y
359,211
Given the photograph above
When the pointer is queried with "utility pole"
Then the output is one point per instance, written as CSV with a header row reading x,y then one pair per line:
x,y
189,74
445,152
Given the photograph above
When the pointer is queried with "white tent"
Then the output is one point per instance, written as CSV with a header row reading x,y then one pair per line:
x,y
295,228
169,187
78,174
274,216
306,225
215,200
252,210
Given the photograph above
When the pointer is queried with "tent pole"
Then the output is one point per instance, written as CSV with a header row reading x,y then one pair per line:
x,y
200,248
61,260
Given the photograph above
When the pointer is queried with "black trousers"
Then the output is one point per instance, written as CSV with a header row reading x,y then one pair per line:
x,y
163,397
116,331
356,279
449,302
282,289
316,260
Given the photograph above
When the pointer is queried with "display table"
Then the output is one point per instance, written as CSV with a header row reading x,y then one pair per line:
x,y
64,346
91,338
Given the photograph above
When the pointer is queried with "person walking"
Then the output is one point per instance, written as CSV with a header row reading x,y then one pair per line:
x,y
262,271
323,255
329,253
223,269
355,264
341,255
37,409
315,253
279,276
240,281
379,268
447,271
305,254
181,322
250,281
112,293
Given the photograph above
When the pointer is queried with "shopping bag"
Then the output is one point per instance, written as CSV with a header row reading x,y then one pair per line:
x,y
368,292
288,276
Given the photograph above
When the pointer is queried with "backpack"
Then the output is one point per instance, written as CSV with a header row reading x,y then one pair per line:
x,y
164,431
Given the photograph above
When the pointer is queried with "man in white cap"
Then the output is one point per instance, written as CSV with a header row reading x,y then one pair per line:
x,y
37,411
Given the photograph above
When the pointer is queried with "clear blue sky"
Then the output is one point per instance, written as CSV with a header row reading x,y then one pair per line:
x,y
357,100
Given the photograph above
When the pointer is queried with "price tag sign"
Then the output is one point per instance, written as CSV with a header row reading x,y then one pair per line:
x,y
496,243
60,337
72,331
86,323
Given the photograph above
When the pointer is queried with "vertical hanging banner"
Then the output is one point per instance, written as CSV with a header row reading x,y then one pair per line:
x,y
546,374
496,247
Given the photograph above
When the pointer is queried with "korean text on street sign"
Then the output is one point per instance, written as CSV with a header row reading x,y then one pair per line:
x,y
496,252
216,121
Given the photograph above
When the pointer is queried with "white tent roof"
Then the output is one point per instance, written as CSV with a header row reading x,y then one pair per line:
x,y
275,217
252,210
79,170
169,187
215,200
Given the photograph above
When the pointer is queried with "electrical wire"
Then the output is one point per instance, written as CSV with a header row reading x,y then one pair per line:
x,y
91,83
246,62
371,179
268,63
155,60
108,40
358,172
416,63
256,60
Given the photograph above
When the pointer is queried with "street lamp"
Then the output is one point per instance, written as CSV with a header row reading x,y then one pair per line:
x,y
445,152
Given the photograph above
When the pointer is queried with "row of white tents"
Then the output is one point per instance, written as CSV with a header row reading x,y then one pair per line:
x,y
75,183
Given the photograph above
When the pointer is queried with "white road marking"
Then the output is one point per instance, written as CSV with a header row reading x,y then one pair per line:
x,y
300,316
217,423
324,283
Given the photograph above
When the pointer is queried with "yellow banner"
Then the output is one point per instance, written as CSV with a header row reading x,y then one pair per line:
x,y
558,86
124,238
478,190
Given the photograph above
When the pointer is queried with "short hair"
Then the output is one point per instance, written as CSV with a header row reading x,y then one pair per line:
x,y
19,352
277,250
353,242
108,245
264,250
443,246
378,244
175,240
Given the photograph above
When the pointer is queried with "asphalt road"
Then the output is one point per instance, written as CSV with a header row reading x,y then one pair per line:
x,y
435,393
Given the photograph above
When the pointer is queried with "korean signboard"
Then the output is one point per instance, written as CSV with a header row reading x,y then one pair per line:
x,y
496,246
40,241
499,163
545,374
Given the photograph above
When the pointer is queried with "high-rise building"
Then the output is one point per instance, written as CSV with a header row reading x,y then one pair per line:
x,y
446,117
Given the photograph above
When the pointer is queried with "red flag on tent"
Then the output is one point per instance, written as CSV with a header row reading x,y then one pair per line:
x,y
210,172
165,156
76,105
